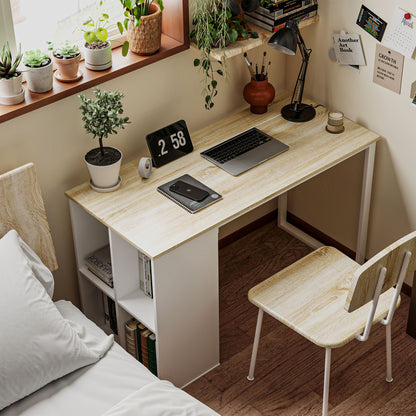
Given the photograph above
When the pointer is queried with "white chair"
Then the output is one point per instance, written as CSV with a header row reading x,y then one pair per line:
x,y
330,299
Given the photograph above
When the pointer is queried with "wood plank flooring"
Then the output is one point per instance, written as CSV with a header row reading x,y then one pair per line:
x,y
289,371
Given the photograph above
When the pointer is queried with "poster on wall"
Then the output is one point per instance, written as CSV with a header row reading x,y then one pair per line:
x,y
401,33
348,49
371,23
388,68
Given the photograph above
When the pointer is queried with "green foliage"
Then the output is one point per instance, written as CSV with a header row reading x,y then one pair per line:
x,y
214,27
65,51
268,4
36,58
8,65
95,31
133,11
101,116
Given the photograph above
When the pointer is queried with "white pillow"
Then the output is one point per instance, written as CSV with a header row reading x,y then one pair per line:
x,y
40,271
37,345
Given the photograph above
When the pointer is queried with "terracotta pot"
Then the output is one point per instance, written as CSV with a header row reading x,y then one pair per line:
x,y
259,94
67,68
145,39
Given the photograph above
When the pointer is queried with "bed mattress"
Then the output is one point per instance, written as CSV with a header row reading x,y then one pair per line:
x,y
91,390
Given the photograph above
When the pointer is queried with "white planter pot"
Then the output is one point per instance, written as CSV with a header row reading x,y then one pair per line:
x,y
98,59
105,176
11,91
40,79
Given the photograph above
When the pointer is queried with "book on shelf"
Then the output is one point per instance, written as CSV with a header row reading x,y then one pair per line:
x,y
277,26
130,328
110,318
145,274
99,263
151,345
145,349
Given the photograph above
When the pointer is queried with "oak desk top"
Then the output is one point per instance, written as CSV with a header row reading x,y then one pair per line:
x,y
155,225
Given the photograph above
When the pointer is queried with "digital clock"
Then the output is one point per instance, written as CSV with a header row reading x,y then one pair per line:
x,y
169,143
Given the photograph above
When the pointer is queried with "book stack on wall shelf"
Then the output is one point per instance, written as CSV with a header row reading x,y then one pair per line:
x,y
141,344
275,14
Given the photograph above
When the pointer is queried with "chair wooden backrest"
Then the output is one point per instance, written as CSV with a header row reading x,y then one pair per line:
x,y
22,209
365,278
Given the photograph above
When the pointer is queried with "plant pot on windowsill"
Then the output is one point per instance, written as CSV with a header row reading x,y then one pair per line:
x,y
66,59
145,39
39,75
11,91
98,56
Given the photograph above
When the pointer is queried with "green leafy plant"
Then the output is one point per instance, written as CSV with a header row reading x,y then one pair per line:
x,y
8,65
66,50
215,27
95,31
36,58
101,116
133,12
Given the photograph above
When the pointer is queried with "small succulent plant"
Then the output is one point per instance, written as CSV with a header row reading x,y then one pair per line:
x,y
65,51
36,58
8,65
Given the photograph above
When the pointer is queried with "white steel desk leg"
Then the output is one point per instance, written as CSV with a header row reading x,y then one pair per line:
x,y
291,229
365,203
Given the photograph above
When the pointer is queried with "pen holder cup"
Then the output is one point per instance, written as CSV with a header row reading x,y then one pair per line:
x,y
259,94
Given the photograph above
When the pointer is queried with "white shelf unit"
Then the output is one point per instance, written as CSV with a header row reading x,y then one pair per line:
x,y
184,310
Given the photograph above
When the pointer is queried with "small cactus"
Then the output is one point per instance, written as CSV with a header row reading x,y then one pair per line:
x,y
8,66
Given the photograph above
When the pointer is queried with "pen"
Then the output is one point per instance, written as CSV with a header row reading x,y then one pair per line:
x,y
262,66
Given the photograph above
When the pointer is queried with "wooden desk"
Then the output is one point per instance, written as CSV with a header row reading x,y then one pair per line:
x,y
183,247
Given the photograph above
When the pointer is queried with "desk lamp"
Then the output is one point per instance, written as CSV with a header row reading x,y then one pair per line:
x,y
285,40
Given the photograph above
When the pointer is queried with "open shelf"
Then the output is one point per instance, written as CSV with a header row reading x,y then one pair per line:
x,y
242,46
140,306
96,281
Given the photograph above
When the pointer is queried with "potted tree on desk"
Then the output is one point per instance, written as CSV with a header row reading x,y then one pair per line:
x,y
101,117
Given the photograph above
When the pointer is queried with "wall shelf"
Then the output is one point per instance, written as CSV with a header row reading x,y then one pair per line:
x,y
242,46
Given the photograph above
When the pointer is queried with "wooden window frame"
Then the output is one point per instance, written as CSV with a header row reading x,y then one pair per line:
x,y
175,39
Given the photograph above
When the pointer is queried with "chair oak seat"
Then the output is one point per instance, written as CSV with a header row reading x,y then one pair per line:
x,y
309,297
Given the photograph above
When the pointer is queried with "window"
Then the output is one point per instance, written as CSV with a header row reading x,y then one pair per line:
x,y
36,22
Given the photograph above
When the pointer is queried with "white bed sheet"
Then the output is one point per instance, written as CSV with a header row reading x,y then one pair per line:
x,y
91,390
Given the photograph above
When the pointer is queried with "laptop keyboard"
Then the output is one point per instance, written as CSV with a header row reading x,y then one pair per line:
x,y
237,145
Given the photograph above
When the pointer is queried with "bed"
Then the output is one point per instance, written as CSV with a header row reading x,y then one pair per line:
x,y
54,360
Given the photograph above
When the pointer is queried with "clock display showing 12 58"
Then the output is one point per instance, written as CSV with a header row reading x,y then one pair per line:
x,y
169,143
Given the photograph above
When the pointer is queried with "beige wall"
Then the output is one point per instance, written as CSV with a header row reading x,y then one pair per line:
x,y
330,202
52,137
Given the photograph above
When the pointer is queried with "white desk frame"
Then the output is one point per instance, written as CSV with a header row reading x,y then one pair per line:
x,y
184,312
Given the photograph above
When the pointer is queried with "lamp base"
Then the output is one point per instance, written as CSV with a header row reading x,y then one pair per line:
x,y
305,112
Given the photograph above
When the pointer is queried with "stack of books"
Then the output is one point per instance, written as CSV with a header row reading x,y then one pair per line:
x,y
141,344
99,263
273,15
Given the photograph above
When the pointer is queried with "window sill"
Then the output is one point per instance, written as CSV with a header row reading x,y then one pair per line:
x,y
121,65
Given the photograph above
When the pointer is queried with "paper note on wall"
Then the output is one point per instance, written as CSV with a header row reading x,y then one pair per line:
x,y
401,33
388,68
348,49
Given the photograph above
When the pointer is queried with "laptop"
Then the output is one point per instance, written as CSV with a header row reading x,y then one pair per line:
x,y
244,151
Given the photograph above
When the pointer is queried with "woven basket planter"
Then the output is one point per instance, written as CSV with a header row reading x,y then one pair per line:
x,y
145,38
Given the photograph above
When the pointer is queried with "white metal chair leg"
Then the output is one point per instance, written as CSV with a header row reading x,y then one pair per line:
x,y
326,381
389,377
250,376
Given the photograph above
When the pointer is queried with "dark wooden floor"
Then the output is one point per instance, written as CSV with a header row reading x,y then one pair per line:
x,y
289,372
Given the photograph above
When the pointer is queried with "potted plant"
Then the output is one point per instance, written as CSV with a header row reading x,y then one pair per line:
x,y
66,58
216,25
11,91
97,48
101,117
39,77
143,22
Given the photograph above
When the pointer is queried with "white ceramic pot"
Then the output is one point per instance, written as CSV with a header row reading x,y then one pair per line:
x,y
11,91
105,176
98,59
40,79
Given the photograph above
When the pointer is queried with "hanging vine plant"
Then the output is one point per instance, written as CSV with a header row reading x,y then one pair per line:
x,y
216,25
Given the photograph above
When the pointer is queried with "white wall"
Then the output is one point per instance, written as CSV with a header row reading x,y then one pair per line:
x,y
330,202
52,137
